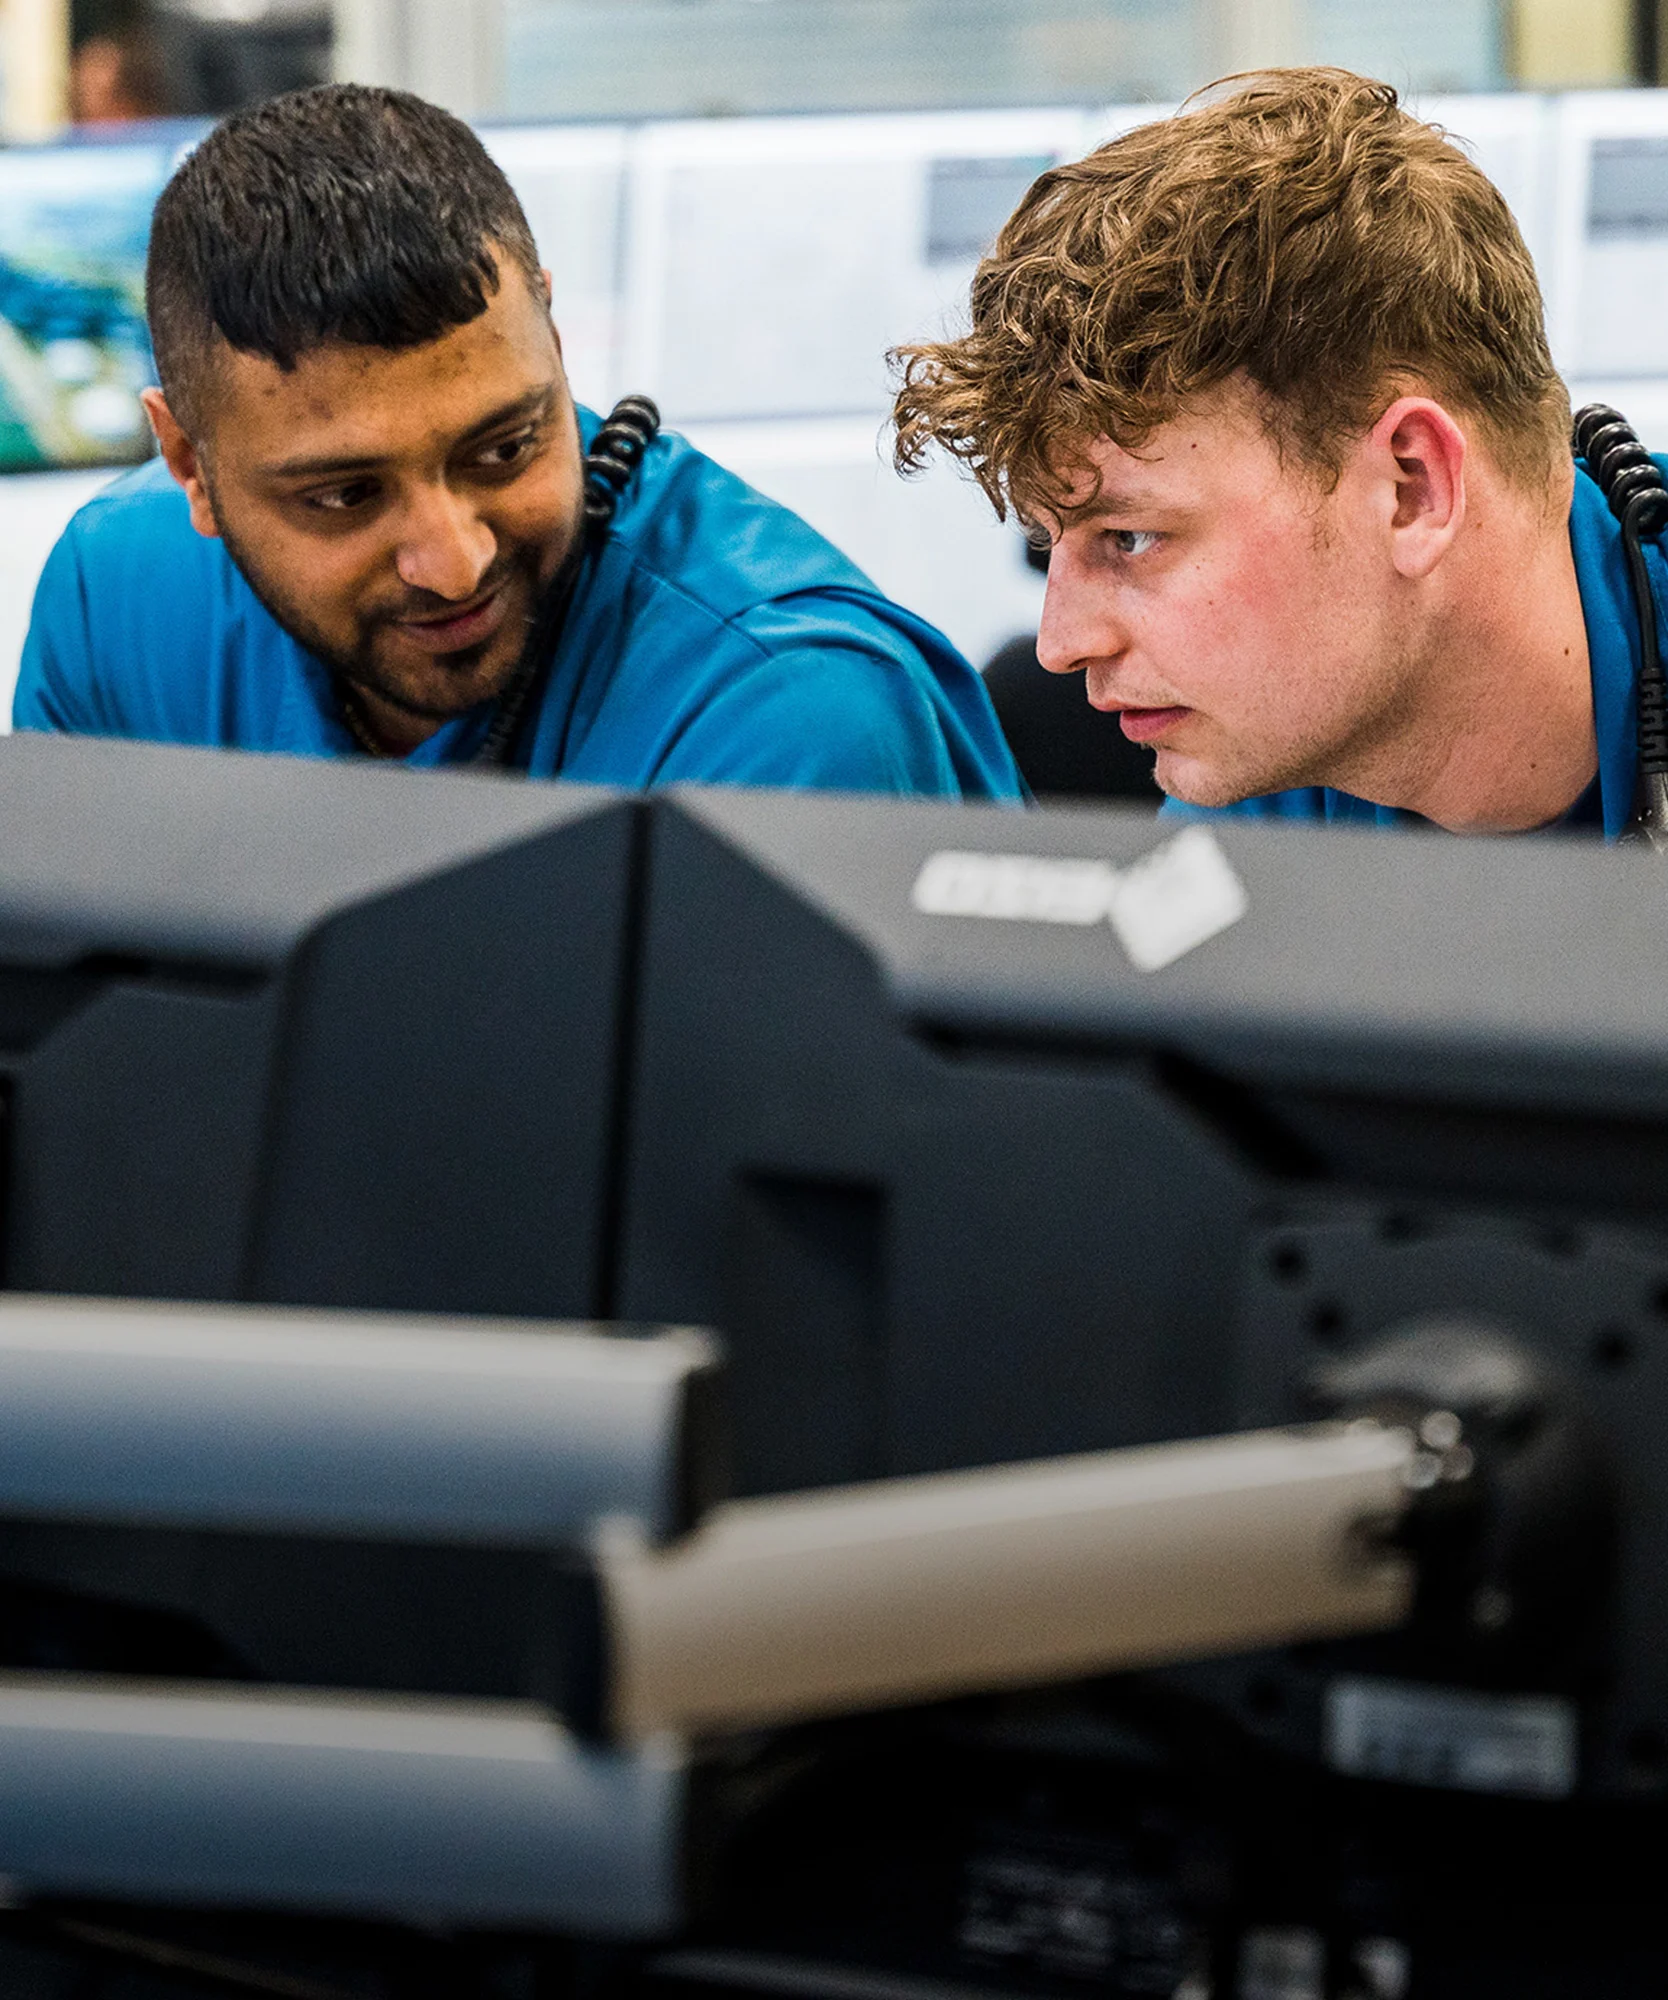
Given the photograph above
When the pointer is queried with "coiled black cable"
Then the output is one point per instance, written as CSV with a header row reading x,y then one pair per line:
x,y
615,454
1632,483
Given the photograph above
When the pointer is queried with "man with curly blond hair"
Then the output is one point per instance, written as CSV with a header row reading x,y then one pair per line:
x,y
1273,378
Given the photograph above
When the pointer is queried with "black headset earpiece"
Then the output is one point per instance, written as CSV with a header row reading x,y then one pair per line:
x,y
1632,483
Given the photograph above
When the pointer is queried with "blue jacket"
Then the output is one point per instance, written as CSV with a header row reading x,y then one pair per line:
x,y
1612,646
714,637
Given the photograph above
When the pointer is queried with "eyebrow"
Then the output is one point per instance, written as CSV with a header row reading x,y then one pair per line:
x,y
536,403
1119,500
1107,502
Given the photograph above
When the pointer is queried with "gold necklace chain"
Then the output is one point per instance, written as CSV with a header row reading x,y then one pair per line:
x,y
358,728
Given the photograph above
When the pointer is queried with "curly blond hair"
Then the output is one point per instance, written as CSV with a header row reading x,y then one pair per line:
x,y
1296,229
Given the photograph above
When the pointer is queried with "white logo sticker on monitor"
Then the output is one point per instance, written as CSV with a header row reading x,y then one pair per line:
x,y
1024,888
1159,908
1174,898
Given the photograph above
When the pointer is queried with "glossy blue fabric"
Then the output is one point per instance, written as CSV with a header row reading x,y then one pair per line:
x,y
714,637
1613,649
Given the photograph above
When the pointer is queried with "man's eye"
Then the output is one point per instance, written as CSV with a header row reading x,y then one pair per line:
x,y
343,499
1132,541
509,451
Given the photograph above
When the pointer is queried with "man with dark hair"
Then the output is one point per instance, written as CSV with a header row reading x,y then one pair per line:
x,y
400,547
1273,376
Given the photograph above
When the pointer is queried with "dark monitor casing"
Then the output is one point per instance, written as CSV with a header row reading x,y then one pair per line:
x,y
960,1190
298,1033
955,1190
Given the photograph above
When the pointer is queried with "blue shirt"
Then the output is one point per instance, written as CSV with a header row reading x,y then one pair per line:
x,y
712,637
1613,651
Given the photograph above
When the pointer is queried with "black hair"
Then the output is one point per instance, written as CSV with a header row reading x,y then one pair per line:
x,y
100,20
341,213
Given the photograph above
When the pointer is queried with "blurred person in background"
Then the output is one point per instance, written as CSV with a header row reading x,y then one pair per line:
x,y
1272,376
371,532
118,70
132,59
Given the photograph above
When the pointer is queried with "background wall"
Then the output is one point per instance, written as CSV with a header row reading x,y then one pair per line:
x,y
675,58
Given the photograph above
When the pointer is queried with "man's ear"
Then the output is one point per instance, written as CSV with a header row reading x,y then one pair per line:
x,y
182,460
1420,452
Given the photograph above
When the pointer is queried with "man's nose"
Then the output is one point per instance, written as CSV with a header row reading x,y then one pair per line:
x,y
1079,620
444,547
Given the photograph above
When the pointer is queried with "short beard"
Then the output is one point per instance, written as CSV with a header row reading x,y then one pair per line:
x,y
358,667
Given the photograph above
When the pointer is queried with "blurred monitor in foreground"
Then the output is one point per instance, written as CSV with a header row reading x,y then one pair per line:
x,y
980,1137
1008,1139
305,1033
